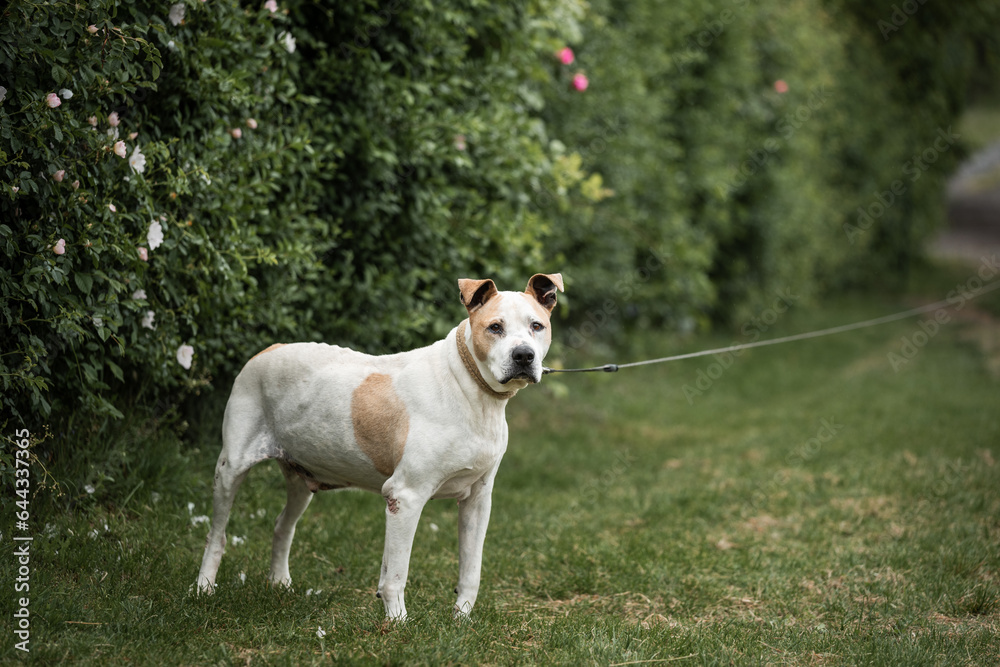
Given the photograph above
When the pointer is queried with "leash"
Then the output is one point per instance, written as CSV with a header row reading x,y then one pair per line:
x,y
613,368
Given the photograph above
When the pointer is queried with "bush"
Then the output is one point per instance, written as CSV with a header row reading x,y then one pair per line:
x,y
314,174
184,185
740,139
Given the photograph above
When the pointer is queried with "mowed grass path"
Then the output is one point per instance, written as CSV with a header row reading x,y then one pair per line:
x,y
812,506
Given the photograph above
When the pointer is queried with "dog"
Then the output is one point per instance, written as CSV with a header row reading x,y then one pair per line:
x,y
427,423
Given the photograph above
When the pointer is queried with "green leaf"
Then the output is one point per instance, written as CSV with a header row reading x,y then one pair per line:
x,y
84,281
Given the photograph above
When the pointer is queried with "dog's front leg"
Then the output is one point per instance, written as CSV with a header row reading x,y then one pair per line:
x,y
402,514
473,518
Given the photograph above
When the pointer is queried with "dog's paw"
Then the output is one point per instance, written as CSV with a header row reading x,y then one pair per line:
x,y
202,588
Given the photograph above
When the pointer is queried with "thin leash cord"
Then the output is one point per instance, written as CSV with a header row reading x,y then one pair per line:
x,y
612,368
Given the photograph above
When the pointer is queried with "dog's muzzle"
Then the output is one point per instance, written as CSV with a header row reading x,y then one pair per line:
x,y
522,365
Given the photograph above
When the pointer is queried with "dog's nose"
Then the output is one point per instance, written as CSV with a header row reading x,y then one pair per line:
x,y
523,355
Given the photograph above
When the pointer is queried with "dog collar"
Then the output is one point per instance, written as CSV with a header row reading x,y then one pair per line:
x,y
470,365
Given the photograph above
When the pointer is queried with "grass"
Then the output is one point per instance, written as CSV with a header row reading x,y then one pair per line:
x,y
811,507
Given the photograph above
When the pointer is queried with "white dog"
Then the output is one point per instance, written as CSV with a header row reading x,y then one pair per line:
x,y
423,424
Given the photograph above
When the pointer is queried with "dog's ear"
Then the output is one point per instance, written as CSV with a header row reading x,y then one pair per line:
x,y
543,286
475,293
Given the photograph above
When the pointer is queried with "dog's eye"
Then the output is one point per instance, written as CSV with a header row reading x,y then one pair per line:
x,y
496,328
537,326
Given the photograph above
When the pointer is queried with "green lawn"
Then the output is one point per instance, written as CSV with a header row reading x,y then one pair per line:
x,y
812,506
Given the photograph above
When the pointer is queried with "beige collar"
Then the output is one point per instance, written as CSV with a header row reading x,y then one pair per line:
x,y
470,365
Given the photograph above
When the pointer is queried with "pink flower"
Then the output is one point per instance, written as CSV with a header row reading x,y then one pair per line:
x,y
580,81
111,207
113,119
143,254
59,175
52,100
92,120
76,184
120,149
251,123
133,135
185,353
781,86
460,142
271,6
236,132
60,247
92,29
566,56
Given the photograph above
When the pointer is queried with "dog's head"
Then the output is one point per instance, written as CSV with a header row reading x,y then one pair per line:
x,y
509,332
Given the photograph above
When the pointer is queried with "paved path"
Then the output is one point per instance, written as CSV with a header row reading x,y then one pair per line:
x,y
973,209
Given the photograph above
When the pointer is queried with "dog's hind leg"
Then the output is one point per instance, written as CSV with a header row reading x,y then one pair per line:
x,y
245,443
299,495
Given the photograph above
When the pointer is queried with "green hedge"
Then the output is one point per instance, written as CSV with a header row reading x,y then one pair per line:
x,y
315,174
741,138
327,170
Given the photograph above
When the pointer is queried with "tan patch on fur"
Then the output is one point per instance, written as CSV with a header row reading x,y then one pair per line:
x,y
479,321
381,422
268,349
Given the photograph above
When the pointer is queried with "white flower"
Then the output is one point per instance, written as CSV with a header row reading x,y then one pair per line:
x,y
320,632
176,14
139,294
137,161
155,497
98,321
155,235
201,518
190,508
147,320
185,353
120,149
3,93
271,6
243,577
113,119
89,488
92,29
171,45
237,540
66,93
288,40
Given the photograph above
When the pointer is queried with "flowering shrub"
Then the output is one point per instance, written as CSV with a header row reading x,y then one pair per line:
x,y
182,185
740,139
